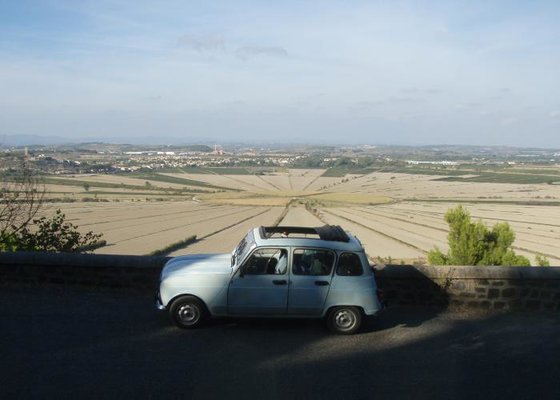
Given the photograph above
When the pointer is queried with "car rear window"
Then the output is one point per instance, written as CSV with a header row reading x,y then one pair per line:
x,y
349,264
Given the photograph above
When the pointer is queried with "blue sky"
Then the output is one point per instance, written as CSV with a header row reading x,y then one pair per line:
x,y
378,72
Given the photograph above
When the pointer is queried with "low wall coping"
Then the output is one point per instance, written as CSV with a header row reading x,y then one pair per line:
x,y
81,260
387,271
467,272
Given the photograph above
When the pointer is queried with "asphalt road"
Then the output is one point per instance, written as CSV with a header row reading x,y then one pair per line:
x,y
68,343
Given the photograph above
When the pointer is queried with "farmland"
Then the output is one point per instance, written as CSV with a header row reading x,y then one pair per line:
x,y
397,216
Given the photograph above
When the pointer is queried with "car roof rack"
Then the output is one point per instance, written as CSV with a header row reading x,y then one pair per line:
x,y
333,233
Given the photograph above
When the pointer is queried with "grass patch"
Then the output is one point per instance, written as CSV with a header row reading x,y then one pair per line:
x,y
505,177
79,182
482,201
92,246
274,198
210,170
248,198
342,172
536,171
174,246
174,179
349,198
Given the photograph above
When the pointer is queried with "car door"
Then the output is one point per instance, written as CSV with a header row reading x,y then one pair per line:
x,y
310,279
260,285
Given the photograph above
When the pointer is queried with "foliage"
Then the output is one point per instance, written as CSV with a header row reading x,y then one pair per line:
x,y
542,261
472,243
21,196
50,234
174,246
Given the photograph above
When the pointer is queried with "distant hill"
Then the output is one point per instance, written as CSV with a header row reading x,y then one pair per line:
x,y
29,140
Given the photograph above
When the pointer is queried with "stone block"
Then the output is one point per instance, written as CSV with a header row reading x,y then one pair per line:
x,y
552,285
533,304
458,286
498,283
509,292
480,290
499,305
546,295
485,304
515,304
493,293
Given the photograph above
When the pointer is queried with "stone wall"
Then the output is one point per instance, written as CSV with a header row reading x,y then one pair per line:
x,y
494,287
500,288
90,270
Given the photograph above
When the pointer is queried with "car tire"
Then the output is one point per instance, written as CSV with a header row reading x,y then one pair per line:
x,y
188,312
344,320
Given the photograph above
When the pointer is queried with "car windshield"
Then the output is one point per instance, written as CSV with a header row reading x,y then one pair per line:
x,y
242,248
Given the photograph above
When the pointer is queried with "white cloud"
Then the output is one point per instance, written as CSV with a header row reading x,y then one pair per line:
x,y
247,52
209,42
457,67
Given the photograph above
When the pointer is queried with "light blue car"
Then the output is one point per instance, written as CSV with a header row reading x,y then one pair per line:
x,y
275,272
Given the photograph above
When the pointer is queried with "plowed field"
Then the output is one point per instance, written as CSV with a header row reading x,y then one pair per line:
x,y
395,215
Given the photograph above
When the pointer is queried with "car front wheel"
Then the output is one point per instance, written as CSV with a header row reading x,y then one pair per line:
x,y
344,320
188,312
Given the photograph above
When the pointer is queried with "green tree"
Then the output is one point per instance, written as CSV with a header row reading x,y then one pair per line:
x,y
542,261
51,234
472,243
21,198
86,186
21,195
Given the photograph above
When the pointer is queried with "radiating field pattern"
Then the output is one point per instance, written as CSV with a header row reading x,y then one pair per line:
x,y
396,216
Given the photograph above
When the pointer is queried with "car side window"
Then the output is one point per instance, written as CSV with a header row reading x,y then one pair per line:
x,y
349,264
312,262
268,261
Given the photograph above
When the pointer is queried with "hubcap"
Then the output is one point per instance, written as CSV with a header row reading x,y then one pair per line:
x,y
188,314
345,319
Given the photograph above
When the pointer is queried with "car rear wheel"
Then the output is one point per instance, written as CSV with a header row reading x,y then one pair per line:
x,y
344,320
188,312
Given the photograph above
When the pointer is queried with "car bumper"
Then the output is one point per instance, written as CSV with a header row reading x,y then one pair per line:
x,y
159,304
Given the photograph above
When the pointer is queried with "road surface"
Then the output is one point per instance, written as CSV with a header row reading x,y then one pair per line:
x,y
70,343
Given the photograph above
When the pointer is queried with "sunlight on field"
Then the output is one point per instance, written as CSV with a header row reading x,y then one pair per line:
x,y
398,217
246,198
350,198
279,198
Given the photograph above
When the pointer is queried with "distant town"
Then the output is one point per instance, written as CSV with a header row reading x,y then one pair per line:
x,y
122,158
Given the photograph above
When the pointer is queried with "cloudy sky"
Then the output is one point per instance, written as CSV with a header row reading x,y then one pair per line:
x,y
349,71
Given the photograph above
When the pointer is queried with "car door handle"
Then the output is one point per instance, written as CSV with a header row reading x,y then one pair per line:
x,y
321,283
279,282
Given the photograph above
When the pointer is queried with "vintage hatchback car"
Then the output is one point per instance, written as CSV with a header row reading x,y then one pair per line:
x,y
275,272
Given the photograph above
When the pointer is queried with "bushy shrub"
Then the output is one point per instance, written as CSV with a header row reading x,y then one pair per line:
x,y
51,234
472,243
